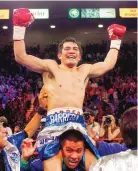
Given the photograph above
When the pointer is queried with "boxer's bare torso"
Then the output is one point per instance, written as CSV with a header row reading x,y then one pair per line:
x,y
65,88
65,83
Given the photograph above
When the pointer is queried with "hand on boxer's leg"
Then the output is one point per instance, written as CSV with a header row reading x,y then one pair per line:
x,y
116,33
22,18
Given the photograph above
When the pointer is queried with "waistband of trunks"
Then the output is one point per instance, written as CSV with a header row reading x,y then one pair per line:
x,y
72,110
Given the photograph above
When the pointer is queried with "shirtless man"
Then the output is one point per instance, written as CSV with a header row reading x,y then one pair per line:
x,y
65,84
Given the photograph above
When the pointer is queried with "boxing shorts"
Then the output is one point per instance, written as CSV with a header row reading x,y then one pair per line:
x,y
58,121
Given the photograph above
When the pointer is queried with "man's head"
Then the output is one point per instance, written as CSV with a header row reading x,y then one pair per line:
x,y
110,120
69,52
17,129
128,127
89,116
3,121
72,145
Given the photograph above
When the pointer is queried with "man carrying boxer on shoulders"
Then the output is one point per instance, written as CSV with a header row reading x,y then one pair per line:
x,y
65,84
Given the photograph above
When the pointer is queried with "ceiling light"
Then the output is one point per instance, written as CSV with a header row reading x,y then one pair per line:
x,y
100,25
52,26
5,27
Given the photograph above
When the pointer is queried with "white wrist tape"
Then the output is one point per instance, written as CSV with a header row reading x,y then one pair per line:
x,y
18,33
115,44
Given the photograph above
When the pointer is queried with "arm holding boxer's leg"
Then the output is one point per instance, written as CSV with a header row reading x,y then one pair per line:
x,y
34,124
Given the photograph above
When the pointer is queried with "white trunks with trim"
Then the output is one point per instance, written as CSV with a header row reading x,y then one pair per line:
x,y
59,121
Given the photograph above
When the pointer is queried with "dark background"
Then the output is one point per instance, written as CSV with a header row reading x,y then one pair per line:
x,y
58,13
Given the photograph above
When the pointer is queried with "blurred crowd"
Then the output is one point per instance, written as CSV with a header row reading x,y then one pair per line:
x,y
106,99
110,94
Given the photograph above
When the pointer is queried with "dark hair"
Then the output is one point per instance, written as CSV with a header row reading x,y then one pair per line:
x,y
69,39
72,135
128,127
3,119
89,111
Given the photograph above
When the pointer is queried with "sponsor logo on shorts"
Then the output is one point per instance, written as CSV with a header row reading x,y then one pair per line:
x,y
45,140
63,118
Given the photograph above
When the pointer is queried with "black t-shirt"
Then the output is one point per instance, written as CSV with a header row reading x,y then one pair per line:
x,y
2,165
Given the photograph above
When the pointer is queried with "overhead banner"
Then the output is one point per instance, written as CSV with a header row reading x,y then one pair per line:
x,y
73,13
128,12
40,13
4,14
98,13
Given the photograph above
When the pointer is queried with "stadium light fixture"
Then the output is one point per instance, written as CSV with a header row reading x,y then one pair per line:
x,y
5,27
52,26
100,25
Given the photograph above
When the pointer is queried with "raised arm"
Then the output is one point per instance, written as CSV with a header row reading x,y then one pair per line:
x,y
22,18
33,125
31,62
116,33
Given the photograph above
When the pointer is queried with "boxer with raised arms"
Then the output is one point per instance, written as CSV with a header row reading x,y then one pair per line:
x,y
66,83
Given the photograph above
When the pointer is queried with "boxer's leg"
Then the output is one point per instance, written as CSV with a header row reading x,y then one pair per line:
x,y
54,163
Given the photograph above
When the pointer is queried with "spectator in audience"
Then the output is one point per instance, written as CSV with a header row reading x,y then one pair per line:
x,y
11,146
16,129
109,129
128,160
4,129
93,127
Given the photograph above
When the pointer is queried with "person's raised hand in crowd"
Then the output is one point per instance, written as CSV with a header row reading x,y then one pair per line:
x,y
28,148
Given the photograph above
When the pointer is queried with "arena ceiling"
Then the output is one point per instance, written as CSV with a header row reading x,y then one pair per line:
x,y
59,13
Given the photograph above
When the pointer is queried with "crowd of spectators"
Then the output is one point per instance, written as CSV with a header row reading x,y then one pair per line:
x,y
110,94
106,98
